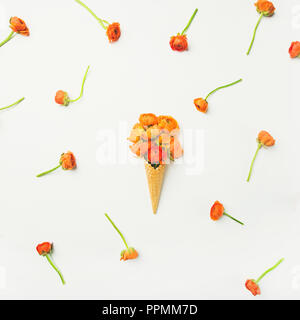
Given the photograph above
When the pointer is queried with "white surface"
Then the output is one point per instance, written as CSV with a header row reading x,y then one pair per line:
x,y
183,254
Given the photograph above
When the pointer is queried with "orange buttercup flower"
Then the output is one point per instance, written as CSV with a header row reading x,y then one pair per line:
x,y
265,7
62,98
68,161
136,133
129,254
252,287
201,104
217,211
148,119
176,150
44,248
294,49
265,139
179,43
167,123
113,32
19,26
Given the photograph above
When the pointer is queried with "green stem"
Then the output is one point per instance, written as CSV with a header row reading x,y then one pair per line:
x,y
11,35
251,167
46,172
55,268
11,105
254,33
119,232
82,86
226,214
189,23
274,267
227,85
92,13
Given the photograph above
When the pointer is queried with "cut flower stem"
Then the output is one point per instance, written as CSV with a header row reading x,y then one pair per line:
x,y
189,23
251,167
55,268
254,33
119,232
225,86
82,86
269,270
93,14
226,214
11,105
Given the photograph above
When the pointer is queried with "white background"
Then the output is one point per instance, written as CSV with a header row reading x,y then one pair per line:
x,y
183,254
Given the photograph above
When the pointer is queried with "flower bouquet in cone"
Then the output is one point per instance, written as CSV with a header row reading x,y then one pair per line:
x,y
155,139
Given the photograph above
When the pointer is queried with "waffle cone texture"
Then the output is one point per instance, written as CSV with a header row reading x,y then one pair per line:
x,y
155,179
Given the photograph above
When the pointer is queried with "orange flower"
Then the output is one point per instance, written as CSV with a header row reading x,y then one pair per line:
x,y
265,7
179,43
252,287
44,248
216,211
148,119
68,161
62,98
136,133
294,50
176,150
113,32
128,254
167,123
19,26
265,139
201,104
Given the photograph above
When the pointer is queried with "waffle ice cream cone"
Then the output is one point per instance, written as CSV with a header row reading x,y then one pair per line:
x,y
155,179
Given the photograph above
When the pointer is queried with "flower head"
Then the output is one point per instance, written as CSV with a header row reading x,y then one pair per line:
x,y
62,98
128,254
253,287
167,123
179,42
44,248
68,161
148,119
216,211
201,104
265,7
19,26
113,32
294,50
265,139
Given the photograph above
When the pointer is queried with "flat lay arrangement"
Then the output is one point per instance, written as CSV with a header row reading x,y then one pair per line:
x,y
155,139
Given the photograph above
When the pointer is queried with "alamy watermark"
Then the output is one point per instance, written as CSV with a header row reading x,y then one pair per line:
x,y
113,148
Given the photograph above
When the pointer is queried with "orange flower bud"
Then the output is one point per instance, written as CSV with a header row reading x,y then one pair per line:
x,y
179,42
148,119
19,26
68,161
216,211
44,248
294,50
130,253
113,32
176,150
253,287
62,98
201,104
265,7
136,133
265,139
